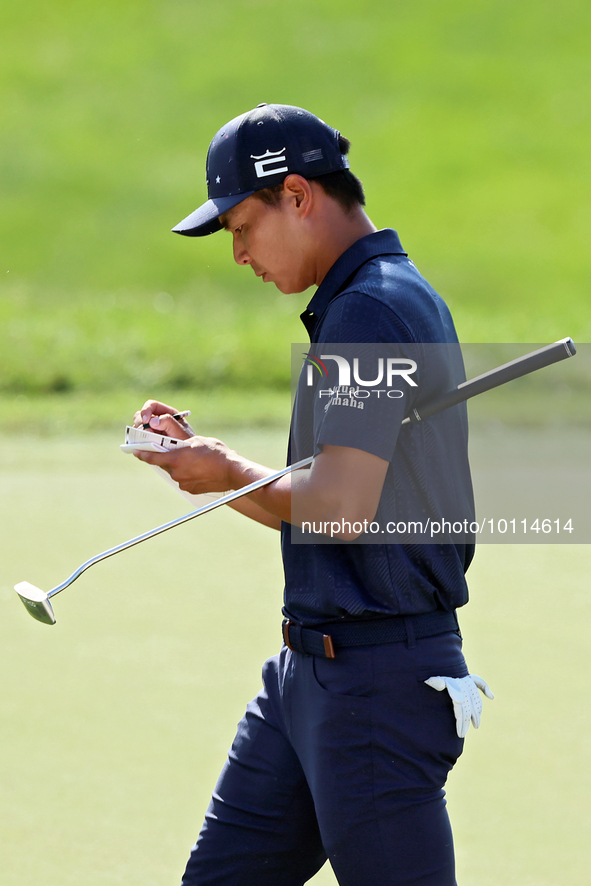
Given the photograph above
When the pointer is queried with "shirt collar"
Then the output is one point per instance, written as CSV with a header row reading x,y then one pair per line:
x,y
385,242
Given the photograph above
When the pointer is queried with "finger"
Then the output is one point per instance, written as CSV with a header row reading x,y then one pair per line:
x,y
461,705
455,688
476,704
482,685
462,714
143,455
143,416
150,408
151,457
459,695
437,683
169,426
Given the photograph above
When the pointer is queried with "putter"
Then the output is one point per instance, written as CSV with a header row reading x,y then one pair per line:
x,y
37,602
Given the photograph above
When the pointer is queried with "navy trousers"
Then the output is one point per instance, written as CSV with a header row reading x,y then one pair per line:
x,y
343,759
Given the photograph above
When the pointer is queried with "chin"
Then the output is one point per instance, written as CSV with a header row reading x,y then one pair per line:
x,y
291,288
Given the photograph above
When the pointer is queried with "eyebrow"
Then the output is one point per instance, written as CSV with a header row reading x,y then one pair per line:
x,y
224,220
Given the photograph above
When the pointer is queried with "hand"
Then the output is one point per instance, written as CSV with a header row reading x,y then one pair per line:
x,y
150,408
151,414
466,700
204,465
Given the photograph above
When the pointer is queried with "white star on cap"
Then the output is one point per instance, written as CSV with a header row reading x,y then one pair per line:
x,y
217,181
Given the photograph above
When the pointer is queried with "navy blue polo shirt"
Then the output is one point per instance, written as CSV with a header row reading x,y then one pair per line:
x,y
372,294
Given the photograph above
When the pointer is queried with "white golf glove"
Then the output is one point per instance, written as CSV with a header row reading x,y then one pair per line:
x,y
465,697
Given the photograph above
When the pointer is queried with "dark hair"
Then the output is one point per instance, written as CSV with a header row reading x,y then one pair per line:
x,y
342,185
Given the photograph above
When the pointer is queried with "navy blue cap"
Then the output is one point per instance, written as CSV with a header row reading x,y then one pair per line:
x,y
257,150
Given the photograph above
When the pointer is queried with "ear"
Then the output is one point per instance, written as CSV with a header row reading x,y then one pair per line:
x,y
299,192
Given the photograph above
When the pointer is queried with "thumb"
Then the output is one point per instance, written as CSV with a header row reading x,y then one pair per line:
x,y
169,426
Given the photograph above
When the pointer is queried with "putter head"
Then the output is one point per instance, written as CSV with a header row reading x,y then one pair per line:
x,y
36,602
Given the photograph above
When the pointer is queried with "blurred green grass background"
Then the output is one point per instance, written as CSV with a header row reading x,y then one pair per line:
x,y
470,126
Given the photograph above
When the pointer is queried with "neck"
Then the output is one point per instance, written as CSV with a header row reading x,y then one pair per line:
x,y
339,232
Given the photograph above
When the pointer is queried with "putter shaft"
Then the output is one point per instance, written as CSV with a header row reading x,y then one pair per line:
x,y
224,500
36,601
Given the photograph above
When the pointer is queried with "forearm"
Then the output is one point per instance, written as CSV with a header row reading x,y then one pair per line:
x,y
249,509
271,503
342,484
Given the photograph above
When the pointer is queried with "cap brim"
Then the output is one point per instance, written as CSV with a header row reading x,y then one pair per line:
x,y
205,219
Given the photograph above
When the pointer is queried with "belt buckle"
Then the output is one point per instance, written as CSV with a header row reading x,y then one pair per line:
x,y
286,625
328,646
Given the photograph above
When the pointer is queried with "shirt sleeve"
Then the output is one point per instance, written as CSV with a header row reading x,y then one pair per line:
x,y
391,370
366,391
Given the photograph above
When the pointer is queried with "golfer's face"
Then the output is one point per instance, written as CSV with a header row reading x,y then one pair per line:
x,y
269,239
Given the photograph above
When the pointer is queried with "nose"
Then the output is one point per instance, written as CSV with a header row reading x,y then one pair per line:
x,y
241,256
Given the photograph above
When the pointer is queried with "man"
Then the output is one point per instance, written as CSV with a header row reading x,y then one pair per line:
x,y
345,751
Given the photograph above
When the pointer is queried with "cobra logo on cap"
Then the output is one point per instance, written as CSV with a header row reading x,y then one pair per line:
x,y
265,162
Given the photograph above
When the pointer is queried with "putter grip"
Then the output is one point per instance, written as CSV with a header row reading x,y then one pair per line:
x,y
545,356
